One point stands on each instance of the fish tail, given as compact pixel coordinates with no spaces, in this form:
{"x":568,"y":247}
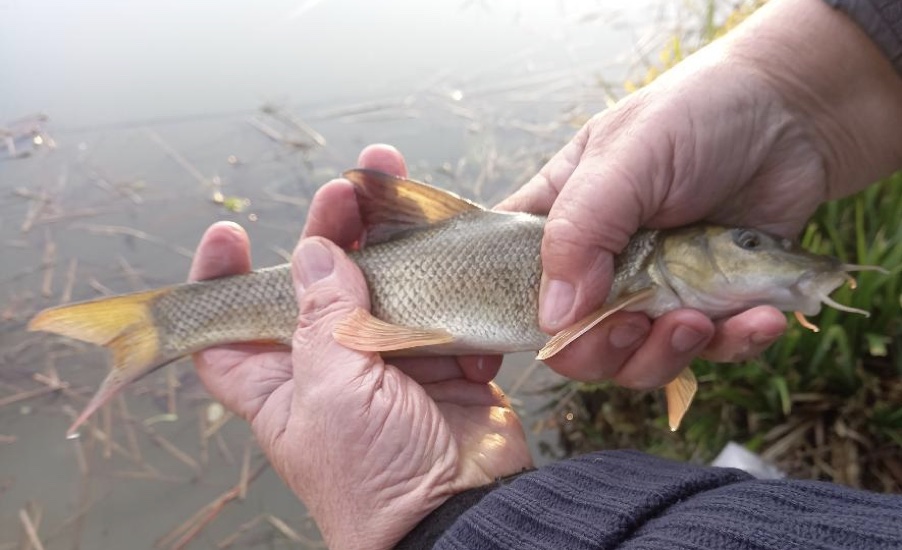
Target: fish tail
{"x":124,"y":325}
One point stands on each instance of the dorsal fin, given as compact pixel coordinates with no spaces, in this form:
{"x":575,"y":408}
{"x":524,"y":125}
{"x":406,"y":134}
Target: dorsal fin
{"x":389,"y":204}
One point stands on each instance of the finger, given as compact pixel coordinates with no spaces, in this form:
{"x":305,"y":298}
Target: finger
{"x":465,"y":393}
{"x":334,"y":214}
{"x":539,"y":193}
{"x":480,"y":368}
{"x":745,"y":335}
{"x":427,"y":370}
{"x":224,"y":250}
{"x":593,"y":218}
{"x":329,"y":287}
{"x":601,"y":353}
{"x":384,"y":158}
{"x":243,"y":376}
{"x":676,"y":338}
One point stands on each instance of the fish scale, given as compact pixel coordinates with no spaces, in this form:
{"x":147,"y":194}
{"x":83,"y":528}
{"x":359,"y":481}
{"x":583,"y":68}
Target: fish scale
{"x":252,"y":307}
{"x":482,"y":289}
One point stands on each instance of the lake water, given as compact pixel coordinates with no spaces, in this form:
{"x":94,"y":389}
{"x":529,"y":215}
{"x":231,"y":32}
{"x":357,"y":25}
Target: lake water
{"x":154,"y":108}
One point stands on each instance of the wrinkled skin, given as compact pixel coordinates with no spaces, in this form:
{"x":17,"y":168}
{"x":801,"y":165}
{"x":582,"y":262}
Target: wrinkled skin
{"x":650,"y":161}
{"x":370,"y":447}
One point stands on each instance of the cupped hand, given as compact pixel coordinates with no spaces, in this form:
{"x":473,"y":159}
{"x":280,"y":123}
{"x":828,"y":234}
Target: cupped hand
{"x":370,"y":447}
{"x":710,"y":140}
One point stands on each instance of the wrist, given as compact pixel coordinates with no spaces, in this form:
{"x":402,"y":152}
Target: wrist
{"x":835,"y":80}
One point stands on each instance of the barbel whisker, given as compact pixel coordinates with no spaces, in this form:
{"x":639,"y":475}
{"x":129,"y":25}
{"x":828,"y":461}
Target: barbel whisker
{"x":836,"y":305}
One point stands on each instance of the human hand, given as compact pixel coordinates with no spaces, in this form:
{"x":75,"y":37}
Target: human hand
{"x":757,"y":129}
{"x":370,"y":447}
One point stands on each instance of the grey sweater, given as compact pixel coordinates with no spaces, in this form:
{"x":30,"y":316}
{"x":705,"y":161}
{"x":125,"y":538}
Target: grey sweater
{"x":627,"y":500}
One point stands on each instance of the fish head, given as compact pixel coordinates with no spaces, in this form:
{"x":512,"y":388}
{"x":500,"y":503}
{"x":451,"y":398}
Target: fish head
{"x":723,"y":270}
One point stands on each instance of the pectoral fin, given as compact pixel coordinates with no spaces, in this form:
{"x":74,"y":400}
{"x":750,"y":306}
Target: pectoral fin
{"x":363,"y":332}
{"x":679,"y":395}
{"x":563,"y":338}
{"x":800,"y":317}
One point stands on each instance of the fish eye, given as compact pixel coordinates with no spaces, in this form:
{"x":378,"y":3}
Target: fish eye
{"x":748,"y":240}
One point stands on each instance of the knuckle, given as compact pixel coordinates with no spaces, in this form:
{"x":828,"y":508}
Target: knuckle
{"x":318,"y":308}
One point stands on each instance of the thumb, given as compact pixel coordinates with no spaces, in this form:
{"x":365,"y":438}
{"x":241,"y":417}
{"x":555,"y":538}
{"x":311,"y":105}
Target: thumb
{"x":329,"y":287}
{"x":599,"y":207}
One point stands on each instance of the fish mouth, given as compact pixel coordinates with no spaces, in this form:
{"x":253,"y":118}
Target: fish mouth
{"x":819,"y":286}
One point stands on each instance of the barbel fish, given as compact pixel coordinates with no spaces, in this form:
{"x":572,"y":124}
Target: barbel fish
{"x":448,"y":276}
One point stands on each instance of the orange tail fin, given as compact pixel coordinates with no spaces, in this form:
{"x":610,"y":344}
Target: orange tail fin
{"x":124,"y":324}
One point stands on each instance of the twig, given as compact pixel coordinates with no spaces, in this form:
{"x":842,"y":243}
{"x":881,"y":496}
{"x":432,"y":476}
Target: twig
{"x":106,"y":418}
{"x":34,"y":210}
{"x":203,"y":441}
{"x":84,"y":506}
{"x":172,"y":383}
{"x":217,"y":423}
{"x":281,"y":253}
{"x":182,"y":535}
{"x":134,"y":278}
{"x":361,"y":109}
{"x":242,"y":529}
{"x":30,"y":530}
{"x":521,"y":380}
{"x":287,"y":199}
{"x":147,"y":474}
{"x":177,"y":157}
{"x":224,"y":448}
{"x":129,"y":429}
{"x":102,"y":181}
{"x":276,"y":135}
{"x":80,"y":458}
{"x":7,"y":439}
{"x":22,"y":396}
{"x":99,"y":435}
{"x":100,"y":287}
{"x":245,"y":470}
{"x":49,"y":263}
{"x":287,"y":531}
{"x":291,"y":119}
{"x":138,"y":234}
{"x":70,"y":215}
{"x":170,"y":448}
{"x":70,"y":281}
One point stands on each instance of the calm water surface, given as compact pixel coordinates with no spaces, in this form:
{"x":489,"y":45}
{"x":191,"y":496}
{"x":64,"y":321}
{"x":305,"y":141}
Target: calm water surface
{"x":155,"y":108}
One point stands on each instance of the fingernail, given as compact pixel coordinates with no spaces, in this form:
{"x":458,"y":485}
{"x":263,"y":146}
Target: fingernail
{"x":685,"y":339}
{"x":760,"y":338}
{"x":556,"y":303}
{"x":626,"y":335}
{"x":232,"y":226}
{"x":314,"y":261}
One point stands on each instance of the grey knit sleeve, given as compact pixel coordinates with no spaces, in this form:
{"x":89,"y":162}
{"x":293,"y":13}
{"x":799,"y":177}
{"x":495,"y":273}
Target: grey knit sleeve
{"x":881,"y":20}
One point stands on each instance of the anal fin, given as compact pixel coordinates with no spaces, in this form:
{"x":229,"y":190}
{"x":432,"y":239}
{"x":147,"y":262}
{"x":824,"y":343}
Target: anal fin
{"x":679,"y":395}
{"x":563,"y":338}
{"x":363,"y":332}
